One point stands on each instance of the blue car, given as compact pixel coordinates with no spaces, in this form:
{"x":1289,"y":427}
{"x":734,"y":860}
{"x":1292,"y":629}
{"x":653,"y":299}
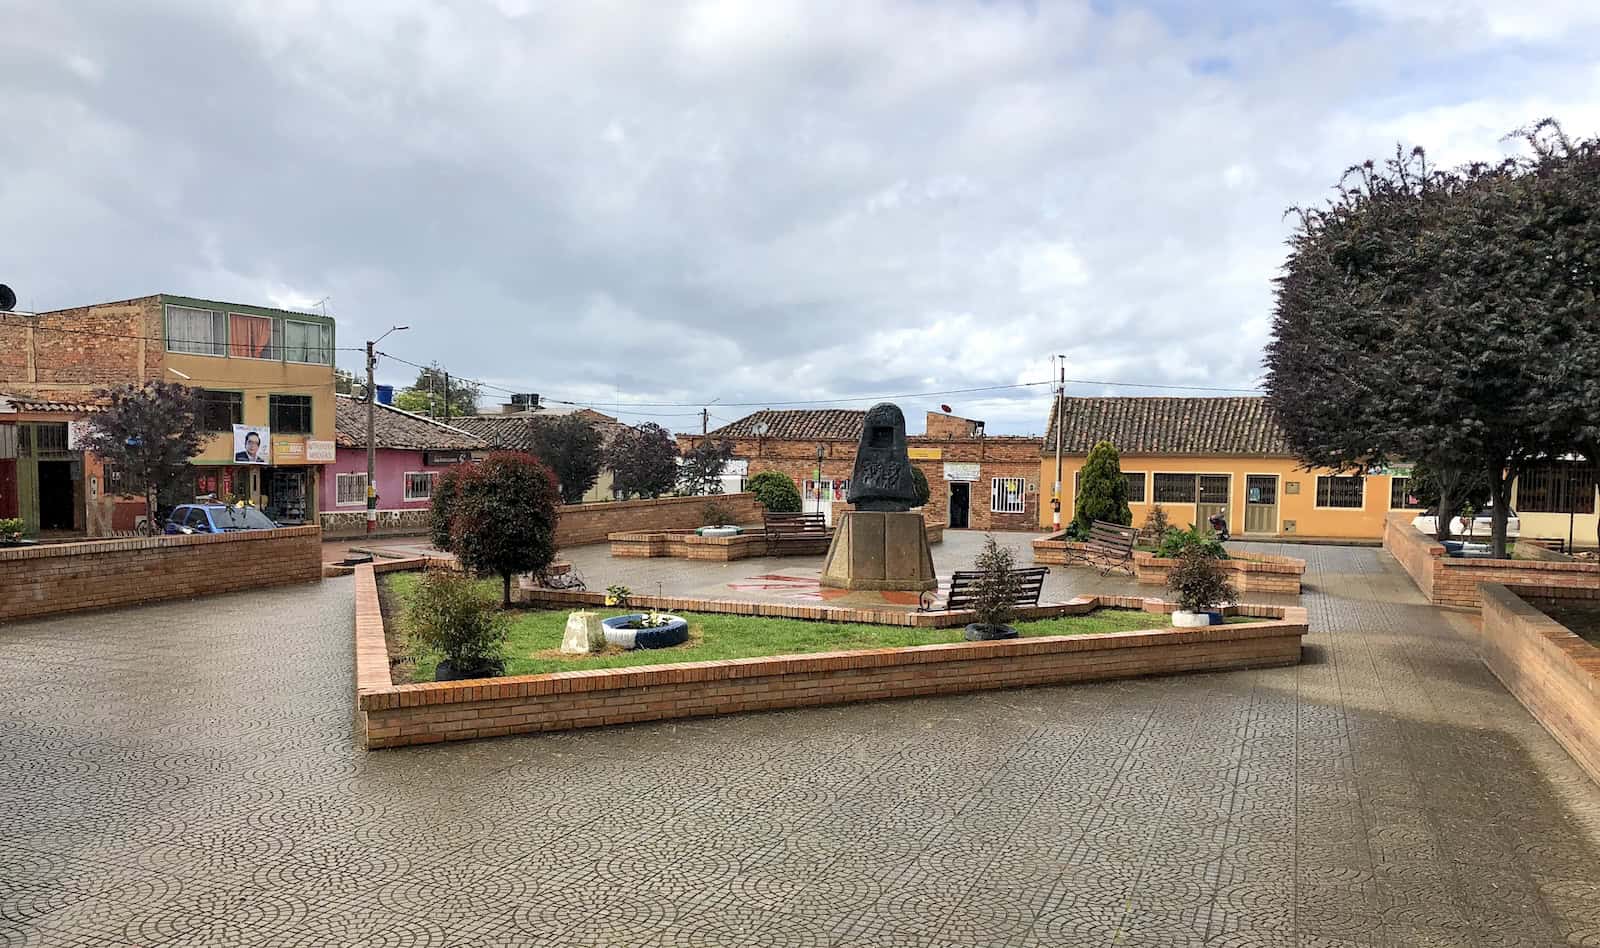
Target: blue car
{"x":216,"y":518}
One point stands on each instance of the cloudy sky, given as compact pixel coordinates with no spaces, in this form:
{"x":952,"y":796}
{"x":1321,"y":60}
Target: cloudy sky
{"x":761,"y":202}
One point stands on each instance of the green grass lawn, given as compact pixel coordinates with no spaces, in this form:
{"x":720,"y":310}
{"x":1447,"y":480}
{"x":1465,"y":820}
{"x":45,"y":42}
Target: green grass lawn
{"x":535,"y":638}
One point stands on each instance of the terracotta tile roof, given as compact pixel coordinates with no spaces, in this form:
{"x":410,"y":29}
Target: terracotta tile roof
{"x":514,"y":432}
{"x":393,"y":428}
{"x":11,"y":402}
{"x":1179,"y":426}
{"x":811,"y":424}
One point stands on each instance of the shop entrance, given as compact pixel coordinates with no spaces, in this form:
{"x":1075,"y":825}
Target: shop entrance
{"x":1261,"y":503}
{"x":286,"y":489}
{"x":55,"y":495}
{"x":960,"y":502}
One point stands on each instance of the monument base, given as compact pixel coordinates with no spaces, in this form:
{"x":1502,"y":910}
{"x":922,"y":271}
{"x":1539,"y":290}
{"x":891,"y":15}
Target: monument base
{"x":879,"y":549}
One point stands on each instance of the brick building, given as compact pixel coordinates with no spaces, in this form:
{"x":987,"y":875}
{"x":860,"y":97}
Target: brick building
{"x":974,"y":480}
{"x":266,"y":370}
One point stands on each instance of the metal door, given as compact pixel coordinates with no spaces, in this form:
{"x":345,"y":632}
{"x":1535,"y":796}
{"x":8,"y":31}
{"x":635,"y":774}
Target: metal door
{"x":1261,"y":504}
{"x":1211,"y":496}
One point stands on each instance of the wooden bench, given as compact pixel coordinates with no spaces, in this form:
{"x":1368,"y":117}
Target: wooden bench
{"x":963,"y":593}
{"x":790,"y":529}
{"x":1110,"y":547}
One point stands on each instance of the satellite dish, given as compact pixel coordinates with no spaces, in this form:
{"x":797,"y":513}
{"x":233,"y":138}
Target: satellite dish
{"x":760,"y":429}
{"x":945,"y":409}
{"x":8,"y":299}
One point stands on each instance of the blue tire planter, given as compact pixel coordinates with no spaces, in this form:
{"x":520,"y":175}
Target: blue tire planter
{"x":675,"y":632}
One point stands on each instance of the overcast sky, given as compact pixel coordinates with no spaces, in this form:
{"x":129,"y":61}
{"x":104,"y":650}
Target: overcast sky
{"x":759,"y":202}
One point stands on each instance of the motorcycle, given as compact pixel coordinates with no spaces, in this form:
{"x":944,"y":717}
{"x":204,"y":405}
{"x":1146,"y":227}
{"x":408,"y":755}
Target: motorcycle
{"x":1219,"y":524}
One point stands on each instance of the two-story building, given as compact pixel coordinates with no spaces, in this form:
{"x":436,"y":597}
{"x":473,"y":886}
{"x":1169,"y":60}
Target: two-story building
{"x":264,"y":377}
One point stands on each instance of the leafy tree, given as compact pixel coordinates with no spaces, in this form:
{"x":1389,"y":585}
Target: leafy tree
{"x":345,"y":383}
{"x":441,"y":506}
{"x":919,"y":483}
{"x":1445,"y":317}
{"x":149,"y":433}
{"x":571,"y":446}
{"x":701,"y":471}
{"x":503,"y":514}
{"x":429,"y":394}
{"x":1102,"y":490}
{"x":1466,"y":488}
{"x":643,"y":461}
{"x":775,"y":491}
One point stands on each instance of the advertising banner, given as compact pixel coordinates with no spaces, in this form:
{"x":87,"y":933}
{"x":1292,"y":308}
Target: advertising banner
{"x":319,"y":451}
{"x":252,"y":444}
{"x":961,"y":470}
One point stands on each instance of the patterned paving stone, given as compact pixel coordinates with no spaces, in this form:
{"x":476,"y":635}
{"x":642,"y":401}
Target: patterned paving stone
{"x":1387,"y":792}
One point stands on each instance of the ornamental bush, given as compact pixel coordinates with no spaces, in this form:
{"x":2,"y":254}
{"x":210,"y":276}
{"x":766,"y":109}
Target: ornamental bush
{"x":1102,"y":490}
{"x":775,"y":491}
{"x":995,"y":595}
{"x":451,"y":616}
{"x":1175,"y":543}
{"x":503,"y":517}
{"x":1197,"y":582}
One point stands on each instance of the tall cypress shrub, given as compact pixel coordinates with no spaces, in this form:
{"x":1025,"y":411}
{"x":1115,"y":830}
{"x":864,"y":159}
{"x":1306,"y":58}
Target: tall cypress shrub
{"x":1102,"y":490}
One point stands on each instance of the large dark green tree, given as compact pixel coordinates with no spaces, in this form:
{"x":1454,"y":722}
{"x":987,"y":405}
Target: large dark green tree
{"x":436,"y":395}
{"x":503,"y":513}
{"x":572,"y":447}
{"x":149,"y":433}
{"x":1102,"y":490}
{"x":702,"y":467}
{"x":643,"y":461}
{"x":1446,"y":317}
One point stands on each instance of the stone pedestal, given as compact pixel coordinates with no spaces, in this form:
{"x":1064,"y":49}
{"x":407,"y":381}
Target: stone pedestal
{"x":584,"y":634}
{"x":877,"y":549}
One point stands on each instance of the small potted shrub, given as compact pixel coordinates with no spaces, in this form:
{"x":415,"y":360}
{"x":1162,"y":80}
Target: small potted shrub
{"x":11,"y":531}
{"x":996,"y":594}
{"x":1199,"y":587}
{"x":646,"y":630}
{"x":452,"y":616}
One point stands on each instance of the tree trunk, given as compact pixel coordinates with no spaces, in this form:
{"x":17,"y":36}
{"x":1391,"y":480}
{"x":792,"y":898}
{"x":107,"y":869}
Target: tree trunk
{"x":505,"y":590}
{"x":1500,"y":478}
{"x":150,"y":510}
{"x":1449,"y":479}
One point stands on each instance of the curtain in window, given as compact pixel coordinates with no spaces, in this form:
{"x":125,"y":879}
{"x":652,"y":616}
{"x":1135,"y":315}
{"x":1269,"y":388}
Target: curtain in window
{"x":305,"y":342}
{"x":199,"y":331}
{"x":251,"y":337}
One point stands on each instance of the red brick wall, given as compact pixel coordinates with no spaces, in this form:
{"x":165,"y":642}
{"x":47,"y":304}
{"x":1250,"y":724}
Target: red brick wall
{"x":1553,"y":672}
{"x":45,"y":580}
{"x":592,"y":523}
{"x":1450,"y":581}
{"x":69,"y":353}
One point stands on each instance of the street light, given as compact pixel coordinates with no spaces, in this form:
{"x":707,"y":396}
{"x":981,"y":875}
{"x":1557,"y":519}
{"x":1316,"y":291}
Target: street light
{"x":372,"y":449}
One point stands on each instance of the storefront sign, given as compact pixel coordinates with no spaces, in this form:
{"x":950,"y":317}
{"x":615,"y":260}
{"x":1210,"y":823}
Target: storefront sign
{"x":288,"y":450}
{"x":252,"y":444}
{"x":925,"y":454}
{"x":961,"y":470}
{"x":437,"y":458}
{"x":738,"y":467}
{"x":1393,"y":470}
{"x":319,"y":451}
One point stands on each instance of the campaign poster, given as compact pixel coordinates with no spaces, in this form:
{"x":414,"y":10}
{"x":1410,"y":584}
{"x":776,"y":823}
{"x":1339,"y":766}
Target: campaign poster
{"x":252,"y":444}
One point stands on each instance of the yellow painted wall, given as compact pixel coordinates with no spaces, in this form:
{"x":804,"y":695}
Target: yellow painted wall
{"x":256,"y":379}
{"x":1309,"y":521}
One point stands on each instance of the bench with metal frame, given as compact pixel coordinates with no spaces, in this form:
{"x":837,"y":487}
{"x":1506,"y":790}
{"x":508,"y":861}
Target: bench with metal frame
{"x":1110,"y":547}
{"x":963,"y":592}
{"x":786,"y":529}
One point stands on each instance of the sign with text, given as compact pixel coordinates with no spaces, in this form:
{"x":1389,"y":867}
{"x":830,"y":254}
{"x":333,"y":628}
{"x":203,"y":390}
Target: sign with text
{"x":252,"y":444}
{"x":320,"y":451}
{"x":925,"y":454}
{"x":961,"y":470}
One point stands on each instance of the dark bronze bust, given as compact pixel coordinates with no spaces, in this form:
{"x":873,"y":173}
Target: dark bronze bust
{"x":882,"y":477}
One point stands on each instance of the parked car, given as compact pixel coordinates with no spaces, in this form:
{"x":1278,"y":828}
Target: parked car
{"x":216,"y":518}
{"x":1482,"y":524}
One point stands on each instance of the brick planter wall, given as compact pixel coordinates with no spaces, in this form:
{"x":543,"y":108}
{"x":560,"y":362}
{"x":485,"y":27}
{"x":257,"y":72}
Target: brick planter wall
{"x":394,"y":715}
{"x":1452,"y":581}
{"x":1249,"y":573}
{"x":45,"y":580}
{"x":1553,"y":672}
{"x":685,"y":545}
{"x":593,"y":523}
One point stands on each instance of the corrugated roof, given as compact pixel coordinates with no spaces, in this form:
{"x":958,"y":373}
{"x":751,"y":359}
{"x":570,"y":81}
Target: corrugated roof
{"x":394,"y":428}
{"x":1187,"y":426}
{"x":811,"y":424}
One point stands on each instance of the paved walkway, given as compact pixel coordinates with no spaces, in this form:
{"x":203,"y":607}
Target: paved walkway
{"x":185,"y":774}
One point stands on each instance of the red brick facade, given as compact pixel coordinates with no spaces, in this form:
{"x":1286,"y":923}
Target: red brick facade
{"x":71,"y":353}
{"x":45,"y":580}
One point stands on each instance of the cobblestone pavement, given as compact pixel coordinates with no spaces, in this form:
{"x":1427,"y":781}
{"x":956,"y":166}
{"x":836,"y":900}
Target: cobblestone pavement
{"x":185,"y":774}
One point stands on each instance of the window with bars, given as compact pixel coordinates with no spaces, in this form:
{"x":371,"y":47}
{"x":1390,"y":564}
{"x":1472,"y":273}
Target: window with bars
{"x":419,"y":484}
{"x":290,"y":414}
{"x":1341,"y":492}
{"x":1135,"y":481}
{"x":1175,"y":488}
{"x":1557,"y":487}
{"x":220,"y":411}
{"x":196,"y":331}
{"x":351,"y":489}
{"x":1006,"y":495}
{"x":1400,"y":495}
{"x":50,"y":438}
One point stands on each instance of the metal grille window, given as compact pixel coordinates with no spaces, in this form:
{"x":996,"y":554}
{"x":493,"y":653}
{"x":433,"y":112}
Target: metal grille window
{"x":197,"y":331}
{"x":220,"y":411}
{"x":1346,"y":493}
{"x":1213,"y":489}
{"x":351,"y":488}
{"x":419,"y":485}
{"x":1554,"y":485}
{"x":1135,"y":486}
{"x":291,"y":414}
{"x":1006,"y":495}
{"x":1175,"y":488}
{"x":52,"y":438}
{"x":1400,"y":495}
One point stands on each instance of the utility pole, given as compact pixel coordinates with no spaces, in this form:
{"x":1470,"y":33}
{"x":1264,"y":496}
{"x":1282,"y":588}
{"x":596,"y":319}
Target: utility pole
{"x":447,"y":398}
{"x":1061,"y":396}
{"x":372,"y":448}
{"x":705,"y":420}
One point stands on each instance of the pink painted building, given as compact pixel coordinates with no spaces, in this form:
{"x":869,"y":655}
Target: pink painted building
{"x":412,"y":452}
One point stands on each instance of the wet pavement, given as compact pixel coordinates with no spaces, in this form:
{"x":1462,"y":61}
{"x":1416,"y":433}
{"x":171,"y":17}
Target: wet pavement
{"x":186,"y":774}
